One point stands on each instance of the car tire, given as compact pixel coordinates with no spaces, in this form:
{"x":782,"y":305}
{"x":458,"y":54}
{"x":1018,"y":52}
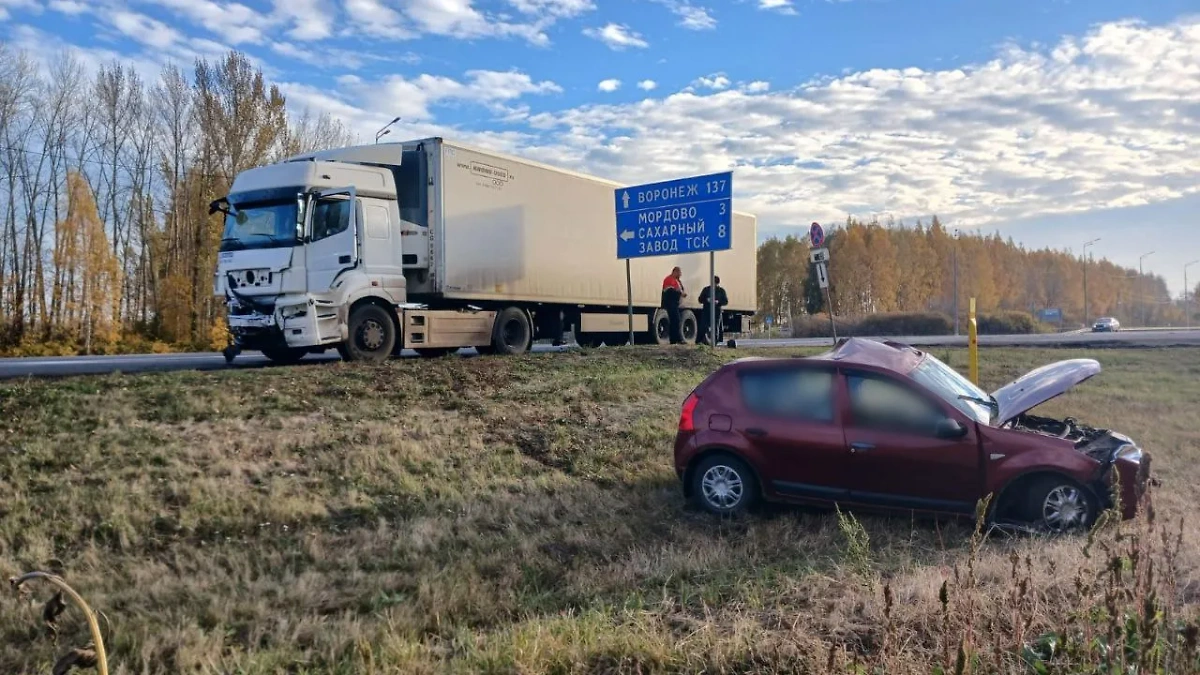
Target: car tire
{"x":282,"y":355}
{"x":1059,"y":505}
{"x":724,"y":485}
{"x":372,"y":335}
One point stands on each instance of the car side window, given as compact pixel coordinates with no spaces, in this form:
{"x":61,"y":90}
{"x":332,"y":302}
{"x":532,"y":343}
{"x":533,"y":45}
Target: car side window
{"x":884,"y":404}
{"x":790,"y":393}
{"x":330,"y":217}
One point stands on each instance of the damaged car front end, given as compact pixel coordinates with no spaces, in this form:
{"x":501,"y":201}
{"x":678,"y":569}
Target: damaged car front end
{"x":1112,"y":470}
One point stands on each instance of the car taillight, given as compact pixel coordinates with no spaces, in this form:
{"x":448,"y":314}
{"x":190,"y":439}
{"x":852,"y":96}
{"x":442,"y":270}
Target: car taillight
{"x":686,"y":421}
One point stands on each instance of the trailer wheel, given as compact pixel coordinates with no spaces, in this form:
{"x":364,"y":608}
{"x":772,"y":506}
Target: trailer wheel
{"x":512,"y":334}
{"x":688,"y":326}
{"x":372,"y":334}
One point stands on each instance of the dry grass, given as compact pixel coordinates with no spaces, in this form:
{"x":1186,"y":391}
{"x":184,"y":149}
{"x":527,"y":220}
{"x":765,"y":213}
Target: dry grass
{"x":521,"y":515}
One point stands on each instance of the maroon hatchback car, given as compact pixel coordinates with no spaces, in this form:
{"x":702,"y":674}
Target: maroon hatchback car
{"x":884,"y":425}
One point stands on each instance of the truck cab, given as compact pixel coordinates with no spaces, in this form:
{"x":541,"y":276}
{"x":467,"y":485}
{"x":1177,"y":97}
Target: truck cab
{"x":309,"y":241}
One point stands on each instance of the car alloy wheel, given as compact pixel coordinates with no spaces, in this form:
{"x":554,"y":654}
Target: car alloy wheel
{"x":1065,"y":508}
{"x":723,"y":487}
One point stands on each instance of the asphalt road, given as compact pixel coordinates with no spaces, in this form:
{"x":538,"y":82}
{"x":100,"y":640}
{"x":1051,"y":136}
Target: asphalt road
{"x":139,"y":363}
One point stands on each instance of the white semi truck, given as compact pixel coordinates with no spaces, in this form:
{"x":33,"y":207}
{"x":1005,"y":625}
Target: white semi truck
{"x":434,"y":246}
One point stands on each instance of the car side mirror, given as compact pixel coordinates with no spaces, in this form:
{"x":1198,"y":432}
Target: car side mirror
{"x":949,"y":428}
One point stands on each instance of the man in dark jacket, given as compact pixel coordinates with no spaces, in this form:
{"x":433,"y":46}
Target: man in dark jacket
{"x":706,"y":301}
{"x":672,"y":295}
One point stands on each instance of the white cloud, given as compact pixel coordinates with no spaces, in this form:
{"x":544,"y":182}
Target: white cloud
{"x":412,"y":98}
{"x":233,"y":21}
{"x":1104,"y":120}
{"x":609,"y":86}
{"x":781,"y":6}
{"x":553,"y":8}
{"x":69,"y":7}
{"x":758,"y":86}
{"x":310,"y":19}
{"x":716,"y":81}
{"x":647,"y":85}
{"x":148,"y":31}
{"x":6,"y":5}
{"x":690,"y":16}
{"x":616,"y":36}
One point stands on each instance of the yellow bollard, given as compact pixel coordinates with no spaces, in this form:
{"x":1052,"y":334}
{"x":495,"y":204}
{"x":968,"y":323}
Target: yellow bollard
{"x":973,"y":343}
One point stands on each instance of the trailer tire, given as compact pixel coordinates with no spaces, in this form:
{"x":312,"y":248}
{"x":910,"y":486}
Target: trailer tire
{"x":284,"y":355}
{"x":372,"y":334}
{"x":512,"y":333}
{"x":688,"y":326}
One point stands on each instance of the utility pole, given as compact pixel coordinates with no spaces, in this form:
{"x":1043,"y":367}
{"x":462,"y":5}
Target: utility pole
{"x":1187,"y":307}
{"x":956,"y":282}
{"x":1141,"y":288}
{"x":1085,"y":271}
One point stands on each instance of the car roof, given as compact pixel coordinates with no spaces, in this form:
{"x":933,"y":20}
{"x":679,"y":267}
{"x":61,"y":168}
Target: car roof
{"x":883,"y":354}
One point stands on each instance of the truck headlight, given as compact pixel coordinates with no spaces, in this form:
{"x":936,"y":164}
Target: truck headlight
{"x":293,"y":311}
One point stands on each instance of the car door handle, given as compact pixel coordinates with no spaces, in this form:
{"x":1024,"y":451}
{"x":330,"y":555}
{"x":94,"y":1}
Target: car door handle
{"x":755,"y":431}
{"x":861,"y":447}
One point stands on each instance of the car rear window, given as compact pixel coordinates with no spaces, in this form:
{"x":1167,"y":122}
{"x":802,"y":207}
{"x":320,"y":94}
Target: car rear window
{"x":793,"y":393}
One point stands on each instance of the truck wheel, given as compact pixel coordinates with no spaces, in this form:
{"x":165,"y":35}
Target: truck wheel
{"x":512,"y":334}
{"x":284,"y":355}
{"x":688,"y":326}
{"x":372,"y":334}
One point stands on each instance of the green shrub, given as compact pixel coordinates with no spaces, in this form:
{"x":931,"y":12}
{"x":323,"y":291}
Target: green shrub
{"x":1008,"y":323}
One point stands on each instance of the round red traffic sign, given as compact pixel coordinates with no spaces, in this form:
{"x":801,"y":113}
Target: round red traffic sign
{"x":816,"y":234}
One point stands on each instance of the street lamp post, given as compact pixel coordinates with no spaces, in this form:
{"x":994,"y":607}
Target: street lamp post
{"x":1187,"y":307}
{"x":385,"y":130}
{"x":1085,"y":271}
{"x":1142,"y":287}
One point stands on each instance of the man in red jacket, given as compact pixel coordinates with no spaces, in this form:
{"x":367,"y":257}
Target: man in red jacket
{"x":672,"y":294}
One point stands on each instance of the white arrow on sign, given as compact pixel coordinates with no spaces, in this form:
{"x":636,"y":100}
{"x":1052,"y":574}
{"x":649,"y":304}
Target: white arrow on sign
{"x":625,"y":200}
{"x":627,"y":235}
{"x":822,"y":275}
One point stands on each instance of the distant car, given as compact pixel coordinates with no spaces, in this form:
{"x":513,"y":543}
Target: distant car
{"x":1106,"y":325}
{"x":883,"y":425}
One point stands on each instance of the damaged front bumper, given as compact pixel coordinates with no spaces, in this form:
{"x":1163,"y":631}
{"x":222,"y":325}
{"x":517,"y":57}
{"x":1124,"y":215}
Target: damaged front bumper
{"x":288,"y":322}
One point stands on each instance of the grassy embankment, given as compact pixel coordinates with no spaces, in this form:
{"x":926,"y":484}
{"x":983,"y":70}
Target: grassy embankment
{"x":521,"y":515}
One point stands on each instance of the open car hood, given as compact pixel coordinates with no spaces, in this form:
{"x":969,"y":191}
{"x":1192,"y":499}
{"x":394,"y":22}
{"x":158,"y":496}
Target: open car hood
{"x":1040,"y":385}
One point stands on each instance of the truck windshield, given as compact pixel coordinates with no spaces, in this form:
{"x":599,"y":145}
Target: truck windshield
{"x":260,"y":225}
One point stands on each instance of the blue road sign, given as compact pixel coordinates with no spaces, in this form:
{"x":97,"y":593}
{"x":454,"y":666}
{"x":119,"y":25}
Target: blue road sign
{"x":769,"y":319}
{"x":689,"y":215}
{"x":1050,"y":314}
{"x":816,"y":234}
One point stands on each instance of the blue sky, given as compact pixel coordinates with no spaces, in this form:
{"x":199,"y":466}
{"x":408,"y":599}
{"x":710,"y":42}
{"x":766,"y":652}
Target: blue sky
{"x":1053,"y":121}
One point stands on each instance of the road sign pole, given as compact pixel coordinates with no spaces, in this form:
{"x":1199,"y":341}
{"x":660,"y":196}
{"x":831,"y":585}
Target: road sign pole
{"x":712,"y":299}
{"x":629,"y":295}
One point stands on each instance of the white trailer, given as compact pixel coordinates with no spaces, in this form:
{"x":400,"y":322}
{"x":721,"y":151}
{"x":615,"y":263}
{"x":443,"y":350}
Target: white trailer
{"x":434,"y":246}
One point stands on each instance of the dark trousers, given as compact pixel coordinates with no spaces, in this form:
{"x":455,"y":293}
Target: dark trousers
{"x":675,"y":323}
{"x":719,"y":334}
